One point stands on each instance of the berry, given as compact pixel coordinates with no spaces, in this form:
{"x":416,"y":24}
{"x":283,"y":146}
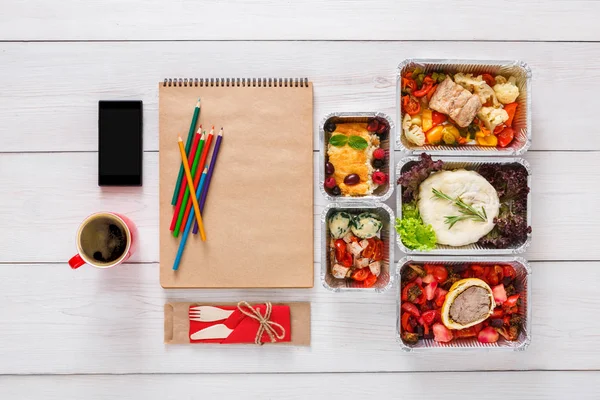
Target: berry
{"x":329,"y":127}
{"x":352,"y":179}
{"x":379,"y":178}
{"x":329,"y":169}
{"x":330,"y":182}
{"x":373,"y":125}
{"x":383,"y":127}
{"x":379,"y":154}
{"x":336,"y":191}
{"x":378,"y":163}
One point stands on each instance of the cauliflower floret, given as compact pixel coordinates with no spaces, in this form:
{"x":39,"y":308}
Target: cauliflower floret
{"x":507,"y":92}
{"x":415,"y":135}
{"x":500,"y":79}
{"x":467,"y":81}
{"x":485,"y":93}
{"x":477,"y":86}
{"x":406,"y":122}
{"x":492,"y":117}
{"x":416,"y":120}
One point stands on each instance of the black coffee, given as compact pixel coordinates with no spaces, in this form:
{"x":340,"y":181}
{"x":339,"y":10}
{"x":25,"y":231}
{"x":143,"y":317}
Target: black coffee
{"x":103,"y":240}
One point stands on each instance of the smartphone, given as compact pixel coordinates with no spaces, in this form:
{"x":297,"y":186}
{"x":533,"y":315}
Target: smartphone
{"x":119,"y":143}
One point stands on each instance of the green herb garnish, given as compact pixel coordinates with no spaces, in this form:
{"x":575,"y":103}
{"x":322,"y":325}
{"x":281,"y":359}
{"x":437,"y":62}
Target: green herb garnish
{"x":354,"y":141}
{"x":467,"y":211}
{"x":357,"y":142}
{"x":338,"y":140}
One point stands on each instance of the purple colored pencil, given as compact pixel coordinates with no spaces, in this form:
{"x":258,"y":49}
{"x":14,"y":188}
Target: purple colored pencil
{"x":211,"y":168}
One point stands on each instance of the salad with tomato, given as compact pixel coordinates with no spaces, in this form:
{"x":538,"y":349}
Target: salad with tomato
{"x":458,"y":109}
{"x":426,"y":290}
{"x":356,"y":248}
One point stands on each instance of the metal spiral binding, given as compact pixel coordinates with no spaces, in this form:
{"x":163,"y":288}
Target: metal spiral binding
{"x":235,"y":82}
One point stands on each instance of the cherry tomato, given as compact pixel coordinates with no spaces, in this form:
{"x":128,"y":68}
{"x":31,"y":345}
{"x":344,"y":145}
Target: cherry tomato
{"x":370,"y":281}
{"x":361,"y":274}
{"x":495,"y":275}
{"x":411,"y":309}
{"x":440,"y":297}
{"x":509,"y":272}
{"x":413,"y":293}
{"x":340,"y":249}
{"x":505,"y":137}
{"x":478,"y":271}
{"x":409,"y":83}
{"x":511,"y":301}
{"x":429,"y":317}
{"x":405,"y":322}
{"x":411,"y":105}
{"x":369,"y":251}
{"x":378,"y":254}
{"x":497,"y":313}
{"x":440,"y":274}
{"x":489,"y":79}
{"x":348,"y":260}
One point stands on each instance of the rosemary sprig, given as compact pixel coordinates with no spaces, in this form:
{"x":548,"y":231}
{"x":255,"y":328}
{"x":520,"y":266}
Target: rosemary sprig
{"x":467,"y":211}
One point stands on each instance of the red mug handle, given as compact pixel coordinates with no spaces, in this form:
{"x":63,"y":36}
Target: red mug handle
{"x":76,"y":261}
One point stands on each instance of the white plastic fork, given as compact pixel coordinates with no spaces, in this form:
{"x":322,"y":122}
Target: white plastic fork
{"x":209,"y":313}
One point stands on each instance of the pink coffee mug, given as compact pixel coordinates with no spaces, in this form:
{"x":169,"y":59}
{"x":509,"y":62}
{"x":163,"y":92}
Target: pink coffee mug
{"x":105,"y":239}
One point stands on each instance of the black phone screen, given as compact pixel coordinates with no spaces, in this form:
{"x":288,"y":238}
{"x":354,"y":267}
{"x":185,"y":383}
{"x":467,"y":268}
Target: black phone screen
{"x":120,"y":143}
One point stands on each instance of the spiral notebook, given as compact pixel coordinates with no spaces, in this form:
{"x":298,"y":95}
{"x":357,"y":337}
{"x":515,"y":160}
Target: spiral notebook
{"x":259,"y":212}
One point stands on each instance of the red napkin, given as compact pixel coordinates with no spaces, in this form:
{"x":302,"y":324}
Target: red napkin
{"x":244,"y":327}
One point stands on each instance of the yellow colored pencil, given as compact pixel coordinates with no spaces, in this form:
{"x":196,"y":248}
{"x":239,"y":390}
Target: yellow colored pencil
{"x":190,"y":181}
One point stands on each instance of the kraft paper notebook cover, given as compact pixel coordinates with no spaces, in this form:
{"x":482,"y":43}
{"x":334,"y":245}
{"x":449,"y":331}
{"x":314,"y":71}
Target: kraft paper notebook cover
{"x":259,"y":213}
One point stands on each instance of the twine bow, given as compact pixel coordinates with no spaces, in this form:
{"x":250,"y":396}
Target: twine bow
{"x":273,"y":329}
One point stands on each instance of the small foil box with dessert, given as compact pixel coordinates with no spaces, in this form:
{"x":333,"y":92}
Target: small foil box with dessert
{"x":450,"y":106}
{"x":469,"y":302}
{"x":356,"y":157}
{"x":358,"y":247}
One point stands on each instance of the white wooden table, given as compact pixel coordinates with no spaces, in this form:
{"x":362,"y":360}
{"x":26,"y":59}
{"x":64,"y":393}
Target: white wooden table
{"x":98,"y":333}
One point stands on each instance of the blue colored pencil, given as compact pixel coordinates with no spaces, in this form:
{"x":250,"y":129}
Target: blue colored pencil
{"x":188,"y":224}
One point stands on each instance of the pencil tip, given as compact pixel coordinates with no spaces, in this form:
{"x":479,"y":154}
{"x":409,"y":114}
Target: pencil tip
{"x":205,"y":170}
{"x":213,"y":127}
{"x":179,"y":138}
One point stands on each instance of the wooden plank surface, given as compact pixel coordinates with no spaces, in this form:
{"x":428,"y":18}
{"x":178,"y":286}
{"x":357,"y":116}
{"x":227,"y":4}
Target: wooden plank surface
{"x":54,"y":192}
{"x":55,"y":320}
{"x":55,"y":87}
{"x":449,"y":386}
{"x":300,"y":20}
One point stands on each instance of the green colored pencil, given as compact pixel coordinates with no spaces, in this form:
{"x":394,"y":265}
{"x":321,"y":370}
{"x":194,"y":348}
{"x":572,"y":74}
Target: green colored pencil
{"x":188,"y":145}
{"x":187,"y":190}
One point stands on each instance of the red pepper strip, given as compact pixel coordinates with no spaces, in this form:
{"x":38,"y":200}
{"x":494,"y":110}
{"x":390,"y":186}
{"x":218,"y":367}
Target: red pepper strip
{"x":405,"y":324}
{"x":427,"y":86}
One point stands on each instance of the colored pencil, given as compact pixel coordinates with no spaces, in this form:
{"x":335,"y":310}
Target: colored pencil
{"x":188,"y":143}
{"x":190,"y":182}
{"x":211,"y":169}
{"x":188,"y":225}
{"x":188,"y":207}
{"x":192,"y":160}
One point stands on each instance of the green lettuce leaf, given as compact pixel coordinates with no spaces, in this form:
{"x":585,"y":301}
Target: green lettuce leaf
{"x":415,"y":235}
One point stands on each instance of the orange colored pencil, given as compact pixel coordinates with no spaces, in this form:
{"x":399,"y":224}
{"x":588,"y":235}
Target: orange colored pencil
{"x":190,"y":182}
{"x":200,"y":168}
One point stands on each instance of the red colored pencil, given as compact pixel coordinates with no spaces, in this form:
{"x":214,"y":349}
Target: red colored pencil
{"x":184,"y":187}
{"x":188,"y":207}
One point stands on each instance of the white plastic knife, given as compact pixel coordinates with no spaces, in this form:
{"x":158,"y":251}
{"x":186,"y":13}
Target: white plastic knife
{"x":219,"y":331}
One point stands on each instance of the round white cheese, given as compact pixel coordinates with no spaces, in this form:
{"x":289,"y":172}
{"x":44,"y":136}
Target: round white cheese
{"x":474,"y":190}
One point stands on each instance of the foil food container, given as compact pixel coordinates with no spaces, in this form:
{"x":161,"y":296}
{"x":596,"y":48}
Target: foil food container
{"x":386,"y":277}
{"x":521,"y":284}
{"x":521,"y":122}
{"x":468,"y":163}
{"x":383,"y":192}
